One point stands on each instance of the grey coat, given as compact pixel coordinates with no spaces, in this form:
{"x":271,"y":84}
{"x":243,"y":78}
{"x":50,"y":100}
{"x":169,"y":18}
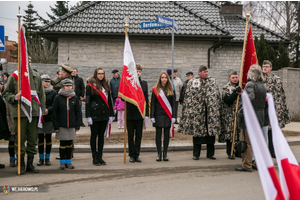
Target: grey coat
{"x":257,"y":95}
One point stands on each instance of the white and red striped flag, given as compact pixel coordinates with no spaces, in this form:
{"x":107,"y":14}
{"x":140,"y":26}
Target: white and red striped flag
{"x":264,"y":162}
{"x":289,"y":171}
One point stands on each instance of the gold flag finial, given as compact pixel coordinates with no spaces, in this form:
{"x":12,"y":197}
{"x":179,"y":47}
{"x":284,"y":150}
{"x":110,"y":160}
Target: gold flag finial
{"x":126,"y":20}
{"x":248,"y":11}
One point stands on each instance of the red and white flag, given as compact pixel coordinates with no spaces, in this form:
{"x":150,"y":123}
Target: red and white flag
{"x":289,"y":171}
{"x":264,"y":162}
{"x":26,"y":104}
{"x":130,"y":89}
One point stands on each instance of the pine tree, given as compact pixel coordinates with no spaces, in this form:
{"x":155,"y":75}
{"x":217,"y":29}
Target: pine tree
{"x":282,"y":56}
{"x":264,"y":51}
{"x":79,"y":4}
{"x":30,"y":20}
{"x":60,"y":8}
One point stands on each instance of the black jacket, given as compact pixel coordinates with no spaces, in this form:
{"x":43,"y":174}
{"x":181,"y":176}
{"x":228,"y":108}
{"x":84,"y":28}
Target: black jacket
{"x":132,"y":111}
{"x":182,"y":92}
{"x":79,"y":86}
{"x":161,"y":118}
{"x":95,"y":106}
{"x":49,"y":103}
{"x":59,"y":112}
{"x":4,"y":130}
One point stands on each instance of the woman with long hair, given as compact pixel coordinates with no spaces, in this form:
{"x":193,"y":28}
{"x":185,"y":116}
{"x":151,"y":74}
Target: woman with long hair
{"x":163,"y":112}
{"x":99,"y":112}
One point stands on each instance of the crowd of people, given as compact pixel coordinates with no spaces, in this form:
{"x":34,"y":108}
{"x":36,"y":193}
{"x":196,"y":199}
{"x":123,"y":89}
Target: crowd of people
{"x":206,"y":113}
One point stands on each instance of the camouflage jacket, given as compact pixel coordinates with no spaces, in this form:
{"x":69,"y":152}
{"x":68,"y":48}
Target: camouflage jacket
{"x":201,"y":102}
{"x":274,"y":86}
{"x":228,"y":113}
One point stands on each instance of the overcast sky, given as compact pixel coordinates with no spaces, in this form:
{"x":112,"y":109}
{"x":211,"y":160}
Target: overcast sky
{"x":9,"y":11}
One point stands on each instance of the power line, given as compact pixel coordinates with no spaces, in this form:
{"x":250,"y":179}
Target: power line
{"x":9,"y":18}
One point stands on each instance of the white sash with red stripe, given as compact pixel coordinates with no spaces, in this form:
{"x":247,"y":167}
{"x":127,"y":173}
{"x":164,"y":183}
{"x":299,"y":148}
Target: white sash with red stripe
{"x":165,"y":104}
{"x":104,"y":96}
{"x":36,"y":98}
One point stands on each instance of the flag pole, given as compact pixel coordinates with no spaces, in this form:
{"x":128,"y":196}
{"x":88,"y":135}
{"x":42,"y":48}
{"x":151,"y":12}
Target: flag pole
{"x":240,"y":82}
{"x":125,"y":110}
{"x":19,"y":105}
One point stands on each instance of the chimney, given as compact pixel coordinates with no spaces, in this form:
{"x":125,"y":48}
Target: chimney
{"x":232,"y":9}
{"x":6,"y":38}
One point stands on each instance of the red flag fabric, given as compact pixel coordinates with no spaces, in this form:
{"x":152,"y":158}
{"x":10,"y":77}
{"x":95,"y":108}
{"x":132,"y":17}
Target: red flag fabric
{"x":25,"y":89}
{"x":130,"y":89}
{"x":250,"y":56}
{"x":264,"y":162}
{"x":289,"y":170}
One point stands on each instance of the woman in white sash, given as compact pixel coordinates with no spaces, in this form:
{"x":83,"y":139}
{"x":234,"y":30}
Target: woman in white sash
{"x":99,"y":112}
{"x":163,"y":112}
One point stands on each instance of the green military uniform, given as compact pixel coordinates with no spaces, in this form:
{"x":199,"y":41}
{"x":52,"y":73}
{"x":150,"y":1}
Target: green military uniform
{"x":57,"y":83}
{"x":29,"y":131}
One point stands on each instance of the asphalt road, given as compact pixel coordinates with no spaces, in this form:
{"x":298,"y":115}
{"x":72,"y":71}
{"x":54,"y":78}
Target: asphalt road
{"x":180,"y":178}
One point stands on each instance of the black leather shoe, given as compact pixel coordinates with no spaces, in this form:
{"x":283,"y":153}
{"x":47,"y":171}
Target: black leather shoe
{"x":40,"y":163}
{"x":82,"y":125}
{"x":165,"y":157}
{"x":102,"y":162}
{"x":212,"y":158}
{"x":231,"y":157}
{"x":242,"y":169}
{"x":158,"y":158}
{"x":195,"y":158}
{"x":47,"y":162}
{"x":138,"y":159}
{"x":2,"y":166}
{"x":22,"y":166}
{"x":132,"y":160}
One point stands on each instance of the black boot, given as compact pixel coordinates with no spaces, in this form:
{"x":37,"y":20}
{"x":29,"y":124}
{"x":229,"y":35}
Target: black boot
{"x":95,"y":159}
{"x":158,"y":158}
{"x":165,"y":157}
{"x":22,"y":166}
{"x":30,"y":167}
{"x":102,"y":162}
{"x":40,"y":163}
{"x":47,"y":162}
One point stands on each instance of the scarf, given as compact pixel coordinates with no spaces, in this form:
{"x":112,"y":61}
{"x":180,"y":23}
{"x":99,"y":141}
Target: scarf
{"x":66,"y":93}
{"x":48,"y":89}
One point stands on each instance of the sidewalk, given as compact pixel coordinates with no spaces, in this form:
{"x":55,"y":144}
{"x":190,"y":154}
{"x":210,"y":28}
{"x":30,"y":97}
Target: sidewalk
{"x":291,"y":131}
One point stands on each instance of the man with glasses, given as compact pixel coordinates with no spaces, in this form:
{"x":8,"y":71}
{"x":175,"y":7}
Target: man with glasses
{"x":274,"y":85}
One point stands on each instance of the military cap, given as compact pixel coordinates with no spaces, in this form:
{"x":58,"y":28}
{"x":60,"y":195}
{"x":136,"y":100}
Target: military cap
{"x":67,"y":82}
{"x":267,"y":62}
{"x":202,"y":68}
{"x":45,"y":77}
{"x":66,"y":68}
{"x":191,"y":73}
{"x":232,"y":72}
{"x":114,"y":71}
{"x":169,"y":71}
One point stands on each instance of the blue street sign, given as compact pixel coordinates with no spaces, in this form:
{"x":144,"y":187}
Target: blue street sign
{"x":2,"y":39}
{"x":151,"y":24}
{"x":167,"y":22}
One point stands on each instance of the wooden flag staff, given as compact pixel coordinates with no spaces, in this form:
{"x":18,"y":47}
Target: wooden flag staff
{"x":125,"y":109}
{"x":19,"y":101}
{"x":240,"y":83}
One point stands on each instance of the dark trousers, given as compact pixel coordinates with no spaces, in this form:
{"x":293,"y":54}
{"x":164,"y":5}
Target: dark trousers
{"x":228,"y":147}
{"x":210,"y":150}
{"x":98,"y":129}
{"x":11,"y":148}
{"x":65,"y":149}
{"x":116,"y":114}
{"x":166,"y":139}
{"x":270,"y":139}
{"x":80,"y":106}
{"x":176,"y":104}
{"x":134,"y":128}
{"x":48,"y":143}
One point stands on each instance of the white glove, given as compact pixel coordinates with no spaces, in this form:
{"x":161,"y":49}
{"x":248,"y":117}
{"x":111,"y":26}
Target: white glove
{"x":152,"y":120}
{"x":110,"y":120}
{"x":146,"y":119}
{"x":173,"y":120}
{"x":89,"y":121}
